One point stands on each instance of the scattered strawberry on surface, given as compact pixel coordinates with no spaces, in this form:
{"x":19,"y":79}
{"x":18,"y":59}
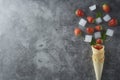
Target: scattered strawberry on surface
{"x":77,"y":31}
{"x":90,"y":30}
{"x":98,"y":27}
{"x":99,"y":41}
{"x":98,"y":46}
{"x":113,"y":22}
{"x":106,"y":8}
{"x":79,"y":13}
{"x":90,"y":19}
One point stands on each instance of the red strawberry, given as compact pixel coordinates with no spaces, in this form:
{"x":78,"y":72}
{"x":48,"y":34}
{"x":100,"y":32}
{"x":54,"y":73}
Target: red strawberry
{"x":77,"y":31}
{"x":113,"y":22}
{"x":98,"y":27}
{"x":99,"y":41}
{"x":98,"y":46}
{"x":90,"y":19}
{"x":79,"y":13}
{"x":106,"y":8}
{"x":90,"y":30}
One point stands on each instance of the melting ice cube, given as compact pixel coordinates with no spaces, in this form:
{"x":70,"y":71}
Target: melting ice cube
{"x":97,"y":35}
{"x":106,"y":18}
{"x":88,"y":38}
{"x":92,"y":8}
{"x":109,"y":32}
{"x":82,"y":22}
{"x":98,"y":20}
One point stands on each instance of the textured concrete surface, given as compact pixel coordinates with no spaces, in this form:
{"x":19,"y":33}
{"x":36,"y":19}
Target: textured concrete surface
{"x":37,"y":41}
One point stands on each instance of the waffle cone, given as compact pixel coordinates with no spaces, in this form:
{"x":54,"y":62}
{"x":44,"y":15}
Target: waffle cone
{"x":98,"y":61}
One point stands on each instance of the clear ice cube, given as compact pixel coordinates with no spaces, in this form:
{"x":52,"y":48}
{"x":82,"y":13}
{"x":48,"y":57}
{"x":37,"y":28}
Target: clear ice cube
{"x":82,"y":22}
{"x":97,"y":35}
{"x":106,"y":18}
{"x":92,"y":8}
{"x":98,"y":20}
{"x":88,"y":38}
{"x":109,"y":32}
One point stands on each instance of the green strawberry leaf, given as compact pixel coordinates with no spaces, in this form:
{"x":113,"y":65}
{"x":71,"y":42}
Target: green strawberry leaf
{"x":103,"y":35}
{"x":98,"y":14}
{"x":104,"y":3}
{"x":93,"y":42}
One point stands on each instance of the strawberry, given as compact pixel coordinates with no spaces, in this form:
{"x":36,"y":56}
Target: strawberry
{"x":98,"y":27}
{"x":106,"y":8}
{"x":90,"y":30}
{"x":90,"y":19}
{"x":77,"y":31}
{"x":79,"y":13}
{"x":98,"y":46}
{"x":99,"y":41}
{"x":113,"y":22}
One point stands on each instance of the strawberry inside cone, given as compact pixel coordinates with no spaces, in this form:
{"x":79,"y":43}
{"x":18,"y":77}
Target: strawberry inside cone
{"x":98,"y":46}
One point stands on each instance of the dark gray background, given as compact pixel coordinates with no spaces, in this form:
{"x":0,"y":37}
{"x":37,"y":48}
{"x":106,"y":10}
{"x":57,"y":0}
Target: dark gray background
{"x":37,"y":41}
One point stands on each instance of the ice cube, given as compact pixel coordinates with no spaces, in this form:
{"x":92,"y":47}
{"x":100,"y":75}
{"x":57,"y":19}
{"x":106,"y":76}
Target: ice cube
{"x":88,"y":38}
{"x":97,"y":35}
{"x":92,"y":8}
{"x":109,"y":32}
{"x":82,"y":22}
{"x":98,"y":20}
{"x":106,"y":18}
